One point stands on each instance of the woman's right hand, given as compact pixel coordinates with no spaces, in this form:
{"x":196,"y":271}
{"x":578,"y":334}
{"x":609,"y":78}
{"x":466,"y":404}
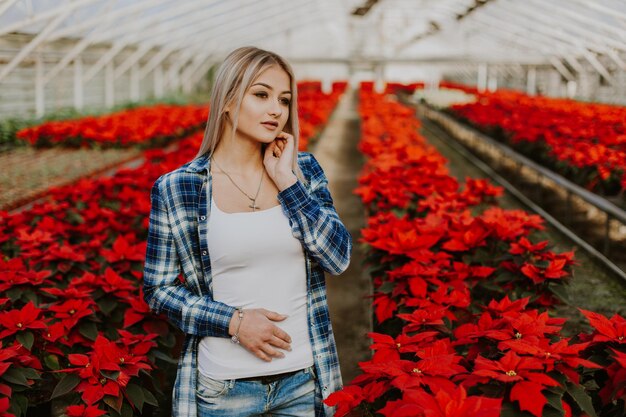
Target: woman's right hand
{"x":259,"y":334}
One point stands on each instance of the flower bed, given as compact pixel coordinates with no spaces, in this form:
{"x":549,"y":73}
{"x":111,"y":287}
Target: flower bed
{"x":462,"y":295}
{"x":585,"y":142}
{"x":77,"y":337}
{"x":143,"y":126}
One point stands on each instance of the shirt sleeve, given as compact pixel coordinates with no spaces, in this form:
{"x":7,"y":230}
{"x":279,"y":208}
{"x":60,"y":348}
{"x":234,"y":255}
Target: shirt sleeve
{"x":165,"y":293}
{"x":315,"y":222}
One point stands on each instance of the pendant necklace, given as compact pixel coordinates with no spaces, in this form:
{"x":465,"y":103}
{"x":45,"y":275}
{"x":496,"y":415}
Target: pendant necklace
{"x":253,"y":206}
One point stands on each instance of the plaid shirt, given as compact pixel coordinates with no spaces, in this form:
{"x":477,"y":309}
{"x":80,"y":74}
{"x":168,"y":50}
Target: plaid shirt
{"x":177,"y":243}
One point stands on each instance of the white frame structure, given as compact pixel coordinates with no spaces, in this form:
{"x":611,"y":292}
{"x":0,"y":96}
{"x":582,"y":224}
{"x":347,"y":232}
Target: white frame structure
{"x":153,"y":47}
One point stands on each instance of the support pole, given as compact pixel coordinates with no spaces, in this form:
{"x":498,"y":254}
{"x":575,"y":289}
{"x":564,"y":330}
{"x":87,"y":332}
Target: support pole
{"x":531,"y":81}
{"x":109,"y":85}
{"x":482,"y":77}
{"x":40,"y":106}
{"x":78,"y":84}
{"x":134,"y":82}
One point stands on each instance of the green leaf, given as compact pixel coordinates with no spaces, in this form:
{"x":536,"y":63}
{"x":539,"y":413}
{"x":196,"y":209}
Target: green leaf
{"x":21,"y":404}
{"x":65,"y":385}
{"x":509,"y":410}
{"x":30,"y":295}
{"x":127,"y":410}
{"x":14,"y":294}
{"x":114,"y":402}
{"x":166,"y":358}
{"x":52,"y":362}
{"x":135,"y":395}
{"x":110,"y":374}
{"x":15,"y":376}
{"x":89,"y":330}
{"x":149,"y":398}
{"x":386,"y":287}
{"x":107,"y":305}
{"x":554,"y":400}
{"x":582,"y":398}
{"x":26,"y":338}
{"x":30,"y":373}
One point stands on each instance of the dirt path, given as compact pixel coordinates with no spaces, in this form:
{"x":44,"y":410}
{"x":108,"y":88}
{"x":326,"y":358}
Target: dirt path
{"x":351,"y":313}
{"x":27,"y":173}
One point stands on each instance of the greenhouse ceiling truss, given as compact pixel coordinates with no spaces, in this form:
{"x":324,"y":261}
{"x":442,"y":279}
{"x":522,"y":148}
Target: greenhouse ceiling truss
{"x":570,"y":36}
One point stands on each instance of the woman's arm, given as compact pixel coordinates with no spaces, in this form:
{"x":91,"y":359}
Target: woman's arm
{"x":163,"y":291}
{"x":315,"y":222}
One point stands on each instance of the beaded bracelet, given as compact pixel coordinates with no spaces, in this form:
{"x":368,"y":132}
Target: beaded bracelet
{"x":235,"y":337}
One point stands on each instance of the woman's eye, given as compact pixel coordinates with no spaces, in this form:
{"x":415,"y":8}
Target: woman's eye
{"x":285,"y":101}
{"x":261,"y":94}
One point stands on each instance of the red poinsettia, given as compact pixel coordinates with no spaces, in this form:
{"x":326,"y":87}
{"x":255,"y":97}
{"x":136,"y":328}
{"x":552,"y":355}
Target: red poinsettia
{"x":453,"y":404}
{"x":84,"y":411}
{"x":20,"y":320}
{"x":525,"y":375}
{"x":613,"y":330}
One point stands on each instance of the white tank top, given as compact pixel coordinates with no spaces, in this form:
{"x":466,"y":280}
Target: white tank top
{"x":256,"y":263}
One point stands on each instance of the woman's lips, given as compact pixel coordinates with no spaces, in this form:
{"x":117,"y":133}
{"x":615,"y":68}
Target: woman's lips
{"x":270,"y":126}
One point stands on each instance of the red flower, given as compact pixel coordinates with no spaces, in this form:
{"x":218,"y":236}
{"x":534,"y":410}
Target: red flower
{"x":526,"y":376}
{"x":84,"y":411}
{"x":554,"y":270}
{"x":70,"y":311}
{"x":606,"y":330}
{"x":15,"y":321}
{"x":453,"y":404}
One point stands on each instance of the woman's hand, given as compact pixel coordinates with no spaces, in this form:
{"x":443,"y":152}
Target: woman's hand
{"x":260,"y":335}
{"x":278,"y":159}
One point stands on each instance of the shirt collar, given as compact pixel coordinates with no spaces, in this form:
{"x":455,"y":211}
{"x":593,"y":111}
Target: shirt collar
{"x":199,"y":164}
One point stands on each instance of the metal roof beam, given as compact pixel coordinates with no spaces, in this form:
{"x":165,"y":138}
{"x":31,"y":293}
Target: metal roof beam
{"x":65,"y":9}
{"x":160,"y":35}
{"x":585,"y":19}
{"x":281,"y":18}
{"x":88,"y":24}
{"x":602,"y":42}
{"x":614,"y":13}
{"x":40,"y":38}
{"x":6,"y":6}
{"x":98,"y":34}
{"x":558,"y":37}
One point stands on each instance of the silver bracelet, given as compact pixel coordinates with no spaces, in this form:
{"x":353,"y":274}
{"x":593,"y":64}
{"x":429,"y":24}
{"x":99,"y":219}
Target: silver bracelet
{"x":235,"y":337}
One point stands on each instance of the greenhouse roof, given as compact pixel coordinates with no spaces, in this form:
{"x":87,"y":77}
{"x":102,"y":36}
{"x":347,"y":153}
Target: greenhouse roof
{"x":508,"y":30}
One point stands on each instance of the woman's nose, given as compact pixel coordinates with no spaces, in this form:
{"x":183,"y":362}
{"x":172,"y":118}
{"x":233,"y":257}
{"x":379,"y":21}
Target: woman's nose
{"x":276,"y":110}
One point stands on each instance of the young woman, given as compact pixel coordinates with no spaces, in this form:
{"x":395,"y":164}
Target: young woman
{"x":250,"y":225}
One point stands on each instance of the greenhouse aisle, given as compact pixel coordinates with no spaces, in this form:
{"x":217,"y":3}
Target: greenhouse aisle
{"x":350,"y":311}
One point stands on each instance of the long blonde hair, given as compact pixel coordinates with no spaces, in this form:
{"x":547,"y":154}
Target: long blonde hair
{"x":234,"y":76}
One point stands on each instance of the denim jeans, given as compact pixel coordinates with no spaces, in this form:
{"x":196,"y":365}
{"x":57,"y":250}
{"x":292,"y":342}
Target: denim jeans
{"x":293,"y":396}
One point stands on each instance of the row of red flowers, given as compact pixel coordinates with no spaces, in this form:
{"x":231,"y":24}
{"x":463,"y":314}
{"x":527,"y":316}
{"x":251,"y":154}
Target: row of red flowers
{"x":141,"y":126}
{"x":73,"y":323}
{"x":585,"y":142}
{"x":462,"y":294}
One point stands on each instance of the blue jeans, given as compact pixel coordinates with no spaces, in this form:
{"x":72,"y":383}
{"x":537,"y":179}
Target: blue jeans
{"x":292,"y":396}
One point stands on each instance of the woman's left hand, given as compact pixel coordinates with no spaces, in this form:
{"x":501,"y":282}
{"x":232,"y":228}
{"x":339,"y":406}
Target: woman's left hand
{"x":278,"y":159}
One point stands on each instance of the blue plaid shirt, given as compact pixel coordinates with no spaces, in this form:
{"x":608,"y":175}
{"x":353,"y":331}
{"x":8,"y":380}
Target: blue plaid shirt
{"x":177,"y":242}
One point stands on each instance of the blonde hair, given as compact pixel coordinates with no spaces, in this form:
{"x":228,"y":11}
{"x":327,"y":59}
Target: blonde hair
{"x":234,"y":76}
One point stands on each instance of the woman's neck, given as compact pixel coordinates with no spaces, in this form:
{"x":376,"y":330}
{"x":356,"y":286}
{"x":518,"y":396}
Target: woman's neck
{"x":239,"y":156}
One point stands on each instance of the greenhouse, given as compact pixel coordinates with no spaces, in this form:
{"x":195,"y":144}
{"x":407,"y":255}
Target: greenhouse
{"x":313,"y":208}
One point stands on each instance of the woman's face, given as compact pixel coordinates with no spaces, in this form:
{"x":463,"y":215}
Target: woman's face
{"x":265,"y":107}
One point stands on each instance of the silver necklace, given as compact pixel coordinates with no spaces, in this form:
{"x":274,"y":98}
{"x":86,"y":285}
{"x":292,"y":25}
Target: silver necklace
{"x":253,"y":206}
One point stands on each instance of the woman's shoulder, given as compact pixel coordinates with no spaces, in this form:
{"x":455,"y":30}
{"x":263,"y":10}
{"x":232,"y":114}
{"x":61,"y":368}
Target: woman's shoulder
{"x":185,"y":177}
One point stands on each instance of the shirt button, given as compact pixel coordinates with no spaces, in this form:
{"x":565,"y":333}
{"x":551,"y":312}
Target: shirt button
{"x":203,"y":218}
{"x":325,"y":388}
{"x":204,"y":252}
